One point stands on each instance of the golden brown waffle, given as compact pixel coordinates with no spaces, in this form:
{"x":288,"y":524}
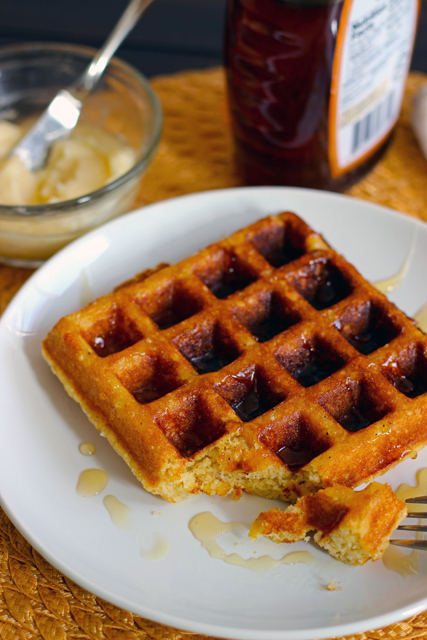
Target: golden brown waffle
{"x":354,"y":526}
{"x":264,"y":363}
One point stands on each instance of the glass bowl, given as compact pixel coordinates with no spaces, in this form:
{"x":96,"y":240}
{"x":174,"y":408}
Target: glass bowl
{"x":123,"y":105}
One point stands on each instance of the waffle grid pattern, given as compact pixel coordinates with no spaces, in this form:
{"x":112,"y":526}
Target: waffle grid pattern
{"x":269,"y":339}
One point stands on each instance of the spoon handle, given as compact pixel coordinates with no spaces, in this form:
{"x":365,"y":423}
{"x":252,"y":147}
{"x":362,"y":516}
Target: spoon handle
{"x":130,"y":17}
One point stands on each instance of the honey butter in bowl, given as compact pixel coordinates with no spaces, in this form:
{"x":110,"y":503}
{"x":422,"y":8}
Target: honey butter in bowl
{"x":89,"y":178}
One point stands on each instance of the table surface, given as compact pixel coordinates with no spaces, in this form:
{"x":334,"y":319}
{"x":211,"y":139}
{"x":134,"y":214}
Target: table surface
{"x":173,"y":34}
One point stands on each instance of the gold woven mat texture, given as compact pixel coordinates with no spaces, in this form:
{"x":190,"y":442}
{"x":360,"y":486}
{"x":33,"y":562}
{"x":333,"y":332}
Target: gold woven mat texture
{"x":36,"y":601}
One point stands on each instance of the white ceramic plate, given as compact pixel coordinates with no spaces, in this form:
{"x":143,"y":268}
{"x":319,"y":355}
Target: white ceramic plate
{"x":41,"y":429}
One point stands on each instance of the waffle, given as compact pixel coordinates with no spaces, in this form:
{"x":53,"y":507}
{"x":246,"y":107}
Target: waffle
{"x":264,"y":363}
{"x":354,"y":526}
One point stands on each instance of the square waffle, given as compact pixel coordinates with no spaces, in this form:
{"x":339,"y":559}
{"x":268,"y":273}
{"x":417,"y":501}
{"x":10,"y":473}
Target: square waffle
{"x":263,"y":363}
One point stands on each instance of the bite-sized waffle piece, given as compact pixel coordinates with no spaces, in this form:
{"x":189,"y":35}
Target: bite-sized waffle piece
{"x":354,"y":526}
{"x":264,"y":363}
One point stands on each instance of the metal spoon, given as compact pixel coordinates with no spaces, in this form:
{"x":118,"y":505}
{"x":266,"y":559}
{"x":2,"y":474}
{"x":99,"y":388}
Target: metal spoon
{"x":62,"y":114}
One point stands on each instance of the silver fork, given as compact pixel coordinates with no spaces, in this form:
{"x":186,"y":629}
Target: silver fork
{"x":413,"y":544}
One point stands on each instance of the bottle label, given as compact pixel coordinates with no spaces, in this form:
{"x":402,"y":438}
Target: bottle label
{"x":373,"y":51}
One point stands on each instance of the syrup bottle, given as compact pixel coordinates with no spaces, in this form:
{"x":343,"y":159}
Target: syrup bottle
{"x":315,"y":87}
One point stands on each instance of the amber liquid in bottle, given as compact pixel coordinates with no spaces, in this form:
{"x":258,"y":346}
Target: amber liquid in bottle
{"x":278,"y":59}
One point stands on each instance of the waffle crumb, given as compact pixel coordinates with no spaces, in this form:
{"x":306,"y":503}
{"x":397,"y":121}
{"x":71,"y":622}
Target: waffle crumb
{"x":353,"y":526}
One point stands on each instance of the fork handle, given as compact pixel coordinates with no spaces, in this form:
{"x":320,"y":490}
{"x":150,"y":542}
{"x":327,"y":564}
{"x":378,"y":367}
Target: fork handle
{"x":91,"y":76}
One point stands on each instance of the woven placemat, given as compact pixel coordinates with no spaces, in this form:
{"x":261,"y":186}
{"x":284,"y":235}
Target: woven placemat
{"x":196,"y":154}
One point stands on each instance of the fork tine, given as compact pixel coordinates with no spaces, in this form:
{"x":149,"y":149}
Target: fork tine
{"x":411,"y":544}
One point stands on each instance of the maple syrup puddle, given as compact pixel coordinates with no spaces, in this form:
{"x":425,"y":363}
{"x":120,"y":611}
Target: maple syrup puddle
{"x":283,"y":254}
{"x":374,"y":336}
{"x":206,"y":528}
{"x":389,"y":284}
{"x":87,"y":449}
{"x":234,"y":278}
{"x":159,"y":550}
{"x":331,"y":288}
{"x":211,"y":361}
{"x":393,"y":558}
{"x":119,"y":512}
{"x":91,"y":482}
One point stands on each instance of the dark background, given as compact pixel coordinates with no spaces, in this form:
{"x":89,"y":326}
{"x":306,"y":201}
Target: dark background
{"x":172,"y":34}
